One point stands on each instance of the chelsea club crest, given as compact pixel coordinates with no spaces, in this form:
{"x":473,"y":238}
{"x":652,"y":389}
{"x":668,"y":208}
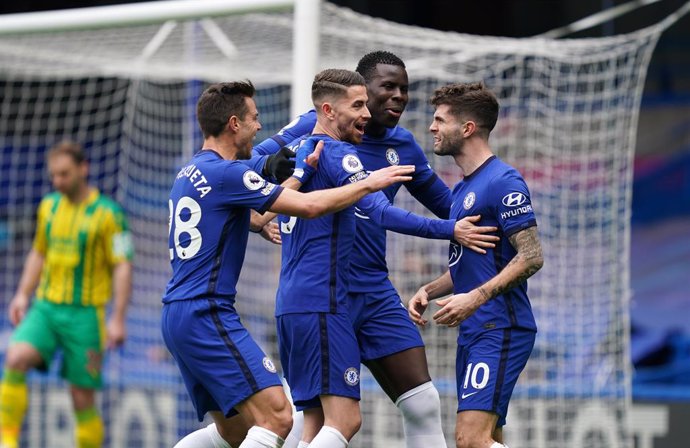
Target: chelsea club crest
{"x":352,"y":376}
{"x":392,"y":156}
{"x":469,"y":200}
{"x":268,"y":364}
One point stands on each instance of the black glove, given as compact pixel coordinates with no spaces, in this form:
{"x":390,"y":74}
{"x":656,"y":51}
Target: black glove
{"x":280,"y":165}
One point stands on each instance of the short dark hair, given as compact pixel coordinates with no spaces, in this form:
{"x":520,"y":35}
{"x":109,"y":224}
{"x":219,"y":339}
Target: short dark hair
{"x":69,"y":148}
{"x":334,"y":82}
{"x":471,"y":101}
{"x":367,"y":65}
{"x":220,"y":102}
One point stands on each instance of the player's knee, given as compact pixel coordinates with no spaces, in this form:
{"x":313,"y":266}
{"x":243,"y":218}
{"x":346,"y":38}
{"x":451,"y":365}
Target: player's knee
{"x":278,"y":420}
{"x":420,"y":405}
{"x":352,"y":425}
{"x":20,"y":358}
{"x":219,"y":434}
{"x":469,"y":440}
{"x":357,"y":424}
{"x":284,"y":422}
{"x":462,"y":441}
{"x":430,"y":402}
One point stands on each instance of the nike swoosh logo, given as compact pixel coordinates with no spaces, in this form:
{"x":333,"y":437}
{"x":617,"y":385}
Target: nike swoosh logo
{"x":469,"y":395}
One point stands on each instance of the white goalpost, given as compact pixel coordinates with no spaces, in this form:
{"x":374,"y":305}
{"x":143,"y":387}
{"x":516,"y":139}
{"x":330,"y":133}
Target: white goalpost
{"x":124,"y":80}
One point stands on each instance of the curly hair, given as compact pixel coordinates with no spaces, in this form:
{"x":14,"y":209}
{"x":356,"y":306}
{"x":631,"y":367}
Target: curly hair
{"x":469,"y":101}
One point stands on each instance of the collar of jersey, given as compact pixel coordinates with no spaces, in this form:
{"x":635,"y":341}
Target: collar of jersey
{"x":208,"y":150}
{"x":481,"y":167}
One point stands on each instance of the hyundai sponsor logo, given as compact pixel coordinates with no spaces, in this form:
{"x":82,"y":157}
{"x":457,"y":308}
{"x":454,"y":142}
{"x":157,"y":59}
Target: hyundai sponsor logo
{"x":516,"y":212}
{"x":514,"y":199}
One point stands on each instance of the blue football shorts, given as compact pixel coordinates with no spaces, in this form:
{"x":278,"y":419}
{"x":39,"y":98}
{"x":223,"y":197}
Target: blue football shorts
{"x":219,"y":361}
{"x":319,"y":356}
{"x":487,"y":368}
{"x":382,"y":325}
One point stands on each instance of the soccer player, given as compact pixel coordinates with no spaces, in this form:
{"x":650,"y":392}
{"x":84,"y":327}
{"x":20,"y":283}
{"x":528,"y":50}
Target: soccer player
{"x":490,"y":303}
{"x":390,"y":345}
{"x":81,"y":256}
{"x":225,"y":371}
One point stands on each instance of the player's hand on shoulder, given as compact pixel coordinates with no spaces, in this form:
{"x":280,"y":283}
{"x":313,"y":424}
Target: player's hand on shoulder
{"x":280,"y":165}
{"x":17,"y":309}
{"x":476,"y":238}
{"x":417,"y":305}
{"x":307,"y":158}
{"x":380,"y":179}
{"x":271,"y":233}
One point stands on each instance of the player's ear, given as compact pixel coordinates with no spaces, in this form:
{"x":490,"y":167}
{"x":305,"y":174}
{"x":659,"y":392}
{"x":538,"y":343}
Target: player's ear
{"x":233,"y":124}
{"x":84,"y":169}
{"x":468,"y":128}
{"x":327,"y":109}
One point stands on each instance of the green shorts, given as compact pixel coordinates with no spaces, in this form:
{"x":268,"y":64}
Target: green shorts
{"x":78,"y":330}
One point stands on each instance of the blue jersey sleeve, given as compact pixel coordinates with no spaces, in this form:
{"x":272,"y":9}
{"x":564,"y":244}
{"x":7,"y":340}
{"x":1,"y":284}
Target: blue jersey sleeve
{"x":512,"y":203}
{"x":425,"y":185}
{"x":430,"y":190}
{"x":301,"y":125}
{"x":244,"y":187}
{"x":346,"y":167}
{"x":377,"y":207}
{"x":255,"y":163}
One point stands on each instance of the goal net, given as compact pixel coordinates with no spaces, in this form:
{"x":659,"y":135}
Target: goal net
{"x":568,"y":120}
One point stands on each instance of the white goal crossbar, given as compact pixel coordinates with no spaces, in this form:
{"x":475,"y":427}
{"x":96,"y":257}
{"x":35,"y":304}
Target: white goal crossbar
{"x":305,"y":29}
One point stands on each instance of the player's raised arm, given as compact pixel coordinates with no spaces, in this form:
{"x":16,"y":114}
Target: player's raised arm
{"x":322,"y":202}
{"x":307,"y":159}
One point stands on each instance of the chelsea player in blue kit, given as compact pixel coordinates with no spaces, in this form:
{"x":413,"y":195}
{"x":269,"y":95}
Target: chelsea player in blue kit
{"x":490,"y":304}
{"x":224,"y":370}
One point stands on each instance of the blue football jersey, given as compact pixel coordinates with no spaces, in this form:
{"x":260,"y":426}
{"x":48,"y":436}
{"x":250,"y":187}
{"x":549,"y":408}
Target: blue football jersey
{"x":314,"y":274}
{"x":209,"y":223}
{"x":498,"y":193}
{"x":396,"y":147}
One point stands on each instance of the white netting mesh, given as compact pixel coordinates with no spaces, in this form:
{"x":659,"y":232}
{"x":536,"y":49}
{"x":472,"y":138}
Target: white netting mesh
{"x":569,"y":111}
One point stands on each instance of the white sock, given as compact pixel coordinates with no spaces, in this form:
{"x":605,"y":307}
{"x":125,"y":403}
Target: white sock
{"x":303,"y":444}
{"x":259,"y":437}
{"x":328,"y":437}
{"x":292,"y":439}
{"x":207,"y":437}
{"x":421,"y":411}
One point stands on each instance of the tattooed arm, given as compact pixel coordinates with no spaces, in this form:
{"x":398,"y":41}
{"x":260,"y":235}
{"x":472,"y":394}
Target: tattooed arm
{"x":524,"y":264}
